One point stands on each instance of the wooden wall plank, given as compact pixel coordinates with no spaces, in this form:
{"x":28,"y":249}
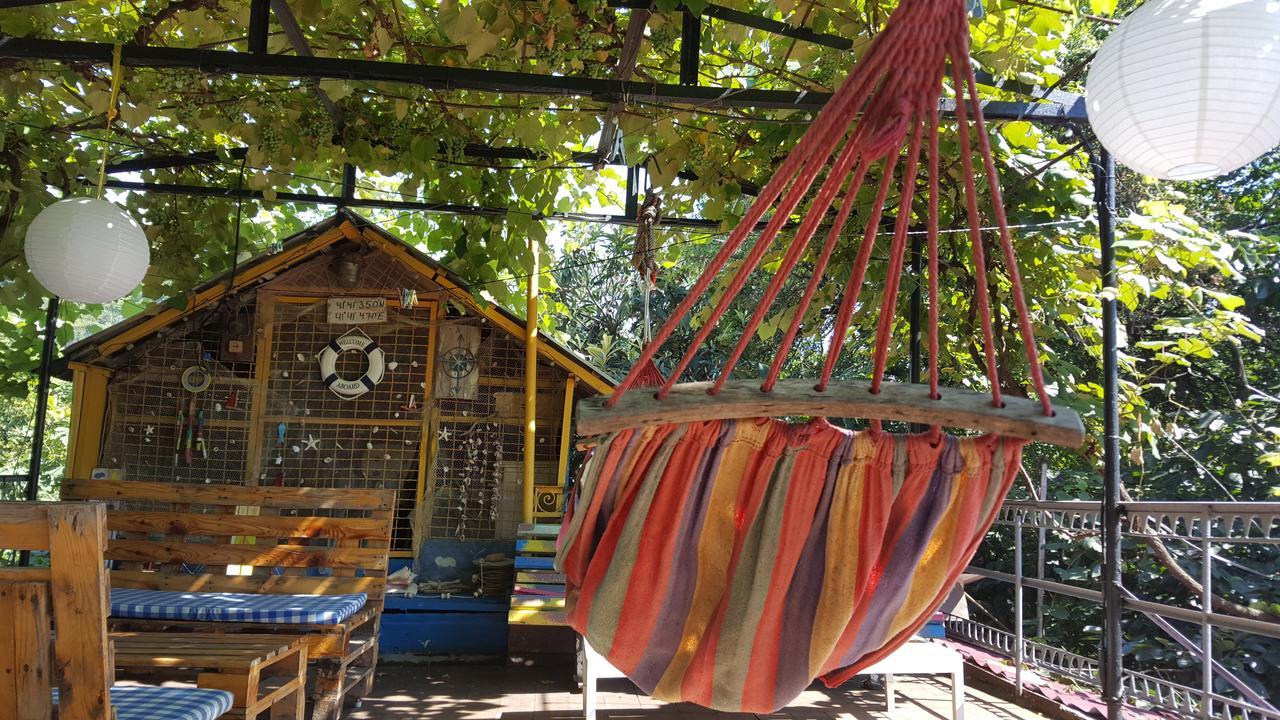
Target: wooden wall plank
{"x":270,"y":527}
{"x":374,"y":587}
{"x":274,"y":497}
{"x":295,"y":556}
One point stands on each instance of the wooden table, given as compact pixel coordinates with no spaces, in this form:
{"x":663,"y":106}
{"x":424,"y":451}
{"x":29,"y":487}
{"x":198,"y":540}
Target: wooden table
{"x":239,"y":664}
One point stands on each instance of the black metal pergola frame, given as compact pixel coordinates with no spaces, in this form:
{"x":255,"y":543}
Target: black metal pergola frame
{"x":1045,"y":107}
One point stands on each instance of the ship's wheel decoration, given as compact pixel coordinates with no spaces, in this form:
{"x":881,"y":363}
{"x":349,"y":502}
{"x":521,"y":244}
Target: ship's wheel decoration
{"x":459,"y":364}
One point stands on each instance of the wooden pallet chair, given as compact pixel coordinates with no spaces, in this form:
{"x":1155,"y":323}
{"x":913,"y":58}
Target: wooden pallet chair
{"x":54,"y":649}
{"x":310,"y":562}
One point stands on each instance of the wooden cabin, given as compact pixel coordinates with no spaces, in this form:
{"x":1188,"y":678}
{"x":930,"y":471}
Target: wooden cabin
{"x":346,"y":359}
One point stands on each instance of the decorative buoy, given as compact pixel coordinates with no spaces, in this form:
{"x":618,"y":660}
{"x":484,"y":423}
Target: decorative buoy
{"x":353,"y":341}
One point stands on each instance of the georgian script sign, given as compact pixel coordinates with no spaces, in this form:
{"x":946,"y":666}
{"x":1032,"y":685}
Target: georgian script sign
{"x":355,"y":310}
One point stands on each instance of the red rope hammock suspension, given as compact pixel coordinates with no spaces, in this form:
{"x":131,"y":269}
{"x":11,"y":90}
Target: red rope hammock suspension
{"x":721,"y":556}
{"x":885,"y":114}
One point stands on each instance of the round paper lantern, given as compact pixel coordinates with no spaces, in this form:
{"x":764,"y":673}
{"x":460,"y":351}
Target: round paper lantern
{"x":87,"y":250}
{"x":1187,"y":89}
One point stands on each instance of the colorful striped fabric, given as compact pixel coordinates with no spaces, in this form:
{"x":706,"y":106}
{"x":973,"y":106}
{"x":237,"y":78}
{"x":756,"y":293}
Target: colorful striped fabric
{"x":729,"y":563}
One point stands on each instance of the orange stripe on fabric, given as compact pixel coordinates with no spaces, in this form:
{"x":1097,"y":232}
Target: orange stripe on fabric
{"x":615,"y":584}
{"x":844,"y":556}
{"x":651,"y":575}
{"x":572,"y":556}
{"x":718,"y":530}
{"x":1012,"y":451}
{"x":936,"y":562}
{"x":595,"y":560}
{"x":813,"y":457}
{"x":756,"y":450}
{"x":879,"y":504}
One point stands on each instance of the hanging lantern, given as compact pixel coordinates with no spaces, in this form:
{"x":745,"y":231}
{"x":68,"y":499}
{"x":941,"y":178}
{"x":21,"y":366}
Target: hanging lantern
{"x":1187,"y":89}
{"x":87,"y":250}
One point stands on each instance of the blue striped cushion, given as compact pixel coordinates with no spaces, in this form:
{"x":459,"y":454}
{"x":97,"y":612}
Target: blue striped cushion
{"x":234,"y":607}
{"x":146,"y":702}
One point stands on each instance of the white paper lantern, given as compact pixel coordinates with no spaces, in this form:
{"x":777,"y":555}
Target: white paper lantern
{"x":1187,"y":89}
{"x":87,"y":250}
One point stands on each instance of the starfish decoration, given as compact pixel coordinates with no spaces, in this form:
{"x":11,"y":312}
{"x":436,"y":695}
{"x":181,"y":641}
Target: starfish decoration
{"x":445,"y":434}
{"x":150,"y":430}
{"x":311,"y":443}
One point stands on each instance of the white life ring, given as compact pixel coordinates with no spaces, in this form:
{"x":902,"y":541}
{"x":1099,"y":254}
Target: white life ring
{"x":351,"y":389}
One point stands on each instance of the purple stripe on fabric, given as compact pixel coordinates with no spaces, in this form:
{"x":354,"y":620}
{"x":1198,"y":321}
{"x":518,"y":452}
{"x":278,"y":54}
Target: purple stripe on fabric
{"x":610,"y":499}
{"x":896,"y":580}
{"x":806,"y":586}
{"x":669,"y":627}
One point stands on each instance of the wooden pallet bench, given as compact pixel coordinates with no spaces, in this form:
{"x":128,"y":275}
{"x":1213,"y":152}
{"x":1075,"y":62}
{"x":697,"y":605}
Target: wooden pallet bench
{"x":54,"y":649}
{"x":277,"y":541}
{"x":265,"y":674}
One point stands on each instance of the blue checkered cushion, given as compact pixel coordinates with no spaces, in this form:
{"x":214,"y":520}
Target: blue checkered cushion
{"x":234,"y":607}
{"x":146,"y":702}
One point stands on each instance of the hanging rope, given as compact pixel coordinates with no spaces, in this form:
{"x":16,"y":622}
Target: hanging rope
{"x":644,"y":260}
{"x":883,"y":118}
{"x":116,"y":75}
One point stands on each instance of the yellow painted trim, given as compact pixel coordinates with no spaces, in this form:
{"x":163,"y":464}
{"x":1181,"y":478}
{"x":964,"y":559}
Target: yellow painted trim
{"x":163,"y":318}
{"x":566,"y":427}
{"x":266,"y":320}
{"x":425,"y":450}
{"x":568,"y":362}
{"x":88,"y":418}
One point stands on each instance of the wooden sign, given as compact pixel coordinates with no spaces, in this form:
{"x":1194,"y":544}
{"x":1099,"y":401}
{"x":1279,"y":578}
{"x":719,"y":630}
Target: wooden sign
{"x":356,"y":310}
{"x":457,"y":366}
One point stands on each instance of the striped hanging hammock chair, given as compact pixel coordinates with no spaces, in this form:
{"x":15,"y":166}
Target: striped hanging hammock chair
{"x":719,"y":555}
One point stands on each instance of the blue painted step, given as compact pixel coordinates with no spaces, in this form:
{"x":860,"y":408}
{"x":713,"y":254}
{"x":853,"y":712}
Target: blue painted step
{"x":535,"y":563}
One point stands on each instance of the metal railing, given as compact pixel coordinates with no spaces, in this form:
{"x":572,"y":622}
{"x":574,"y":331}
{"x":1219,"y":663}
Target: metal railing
{"x":1195,"y":524}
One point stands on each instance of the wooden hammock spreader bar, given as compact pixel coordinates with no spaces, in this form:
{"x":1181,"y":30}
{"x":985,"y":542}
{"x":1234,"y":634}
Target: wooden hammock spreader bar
{"x":689,"y":402}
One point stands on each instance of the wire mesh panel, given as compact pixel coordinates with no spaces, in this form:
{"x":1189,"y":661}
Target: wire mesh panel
{"x":158,"y":430}
{"x":474,"y":488}
{"x":312,"y":436}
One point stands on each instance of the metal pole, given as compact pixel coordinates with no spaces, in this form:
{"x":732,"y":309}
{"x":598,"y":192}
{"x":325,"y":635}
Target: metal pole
{"x":1206,"y":626}
{"x":348,"y":183}
{"x":530,"y":382}
{"x":42,"y":398}
{"x":913,"y":324}
{"x":1019,"y":656}
{"x":1112,"y":592}
{"x":259,"y":25}
{"x":1041,"y":535}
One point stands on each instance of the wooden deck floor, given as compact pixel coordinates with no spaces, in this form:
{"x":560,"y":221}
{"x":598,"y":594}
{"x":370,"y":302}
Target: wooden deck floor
{"x":476,"y":692}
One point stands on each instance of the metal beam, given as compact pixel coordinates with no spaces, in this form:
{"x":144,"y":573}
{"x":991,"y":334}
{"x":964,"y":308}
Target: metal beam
{"x":210,"y":157}
{"x":770,"y":25}
{"x":447,"y":78}
{"x":405,"y":205}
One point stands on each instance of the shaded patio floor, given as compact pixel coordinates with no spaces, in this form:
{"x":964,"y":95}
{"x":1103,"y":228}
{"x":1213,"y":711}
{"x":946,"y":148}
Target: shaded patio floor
{"x":546,"y":692}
